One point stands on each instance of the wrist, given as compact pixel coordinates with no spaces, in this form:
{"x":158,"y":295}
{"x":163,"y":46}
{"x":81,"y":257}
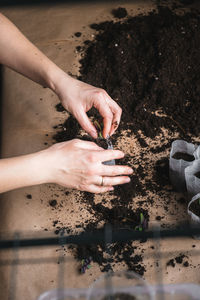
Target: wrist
{"x":56,"y":78}
{"x":36,"y":168}
{"x":41,"y":166}
{"x":22,"y":171}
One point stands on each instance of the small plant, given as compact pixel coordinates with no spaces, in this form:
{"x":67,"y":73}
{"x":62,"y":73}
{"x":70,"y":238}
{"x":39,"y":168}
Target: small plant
{"x":99,"y":129}
{"x":143,"y":223}
{"x":85,"y":264}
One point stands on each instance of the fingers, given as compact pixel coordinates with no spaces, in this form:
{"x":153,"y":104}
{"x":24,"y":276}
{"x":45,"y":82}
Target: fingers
{"x":108,"y":155}
{"x":110,"y":111}
{"x":99,"y":189}
{"x":110,"y":181}
{"x":85,"y":123}
{"x":102,"y":106}
{"x":87,"y":145}
{"x":117,"y":112}
{"x":115,"y":170}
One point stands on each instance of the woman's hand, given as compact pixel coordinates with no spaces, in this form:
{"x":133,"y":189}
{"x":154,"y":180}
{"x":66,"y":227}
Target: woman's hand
{"x":78,"y":164}
{"x":75,"y":164}
{"x":79,"y":97}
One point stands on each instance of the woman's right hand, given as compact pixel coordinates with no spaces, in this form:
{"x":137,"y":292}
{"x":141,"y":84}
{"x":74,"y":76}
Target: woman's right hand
{"x":78,"y":164}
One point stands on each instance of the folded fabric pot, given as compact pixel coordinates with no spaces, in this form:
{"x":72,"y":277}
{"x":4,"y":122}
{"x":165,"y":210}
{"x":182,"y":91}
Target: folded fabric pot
{"x":192,"y":177}
{"x":182,"y":155}
{"x":194,"y":213}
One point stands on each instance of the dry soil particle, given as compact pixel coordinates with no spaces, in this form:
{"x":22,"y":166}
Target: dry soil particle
{"x":53,"y":203}
{"x":171,"y":263}
{"x":59,"y":107}
{"x":78,"y":34}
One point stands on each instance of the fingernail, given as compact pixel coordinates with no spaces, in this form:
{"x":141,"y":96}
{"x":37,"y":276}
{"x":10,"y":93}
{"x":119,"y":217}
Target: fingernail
{"x":127,"y":180}
{"x":94,"y":134}
{"x":130,"y":171}
{"x":111,"y":189}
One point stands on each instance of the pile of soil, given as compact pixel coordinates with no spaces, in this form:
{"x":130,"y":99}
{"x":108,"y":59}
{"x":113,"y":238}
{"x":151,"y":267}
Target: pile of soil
{"x":150,"y":66}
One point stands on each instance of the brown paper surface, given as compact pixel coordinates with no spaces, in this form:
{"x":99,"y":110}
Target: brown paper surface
{"x":28,"y":115}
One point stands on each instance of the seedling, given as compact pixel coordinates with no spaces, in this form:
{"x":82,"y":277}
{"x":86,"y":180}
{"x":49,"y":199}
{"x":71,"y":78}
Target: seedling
{"x":143,"y":223}
{"x":99,"y":129}
{"x":85,"y":264}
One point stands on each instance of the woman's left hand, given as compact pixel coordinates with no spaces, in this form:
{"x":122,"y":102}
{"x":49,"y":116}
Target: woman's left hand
{"x":78,"y":98}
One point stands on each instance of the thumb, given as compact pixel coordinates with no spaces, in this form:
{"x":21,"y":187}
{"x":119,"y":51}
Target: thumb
{"x":85,"y":123}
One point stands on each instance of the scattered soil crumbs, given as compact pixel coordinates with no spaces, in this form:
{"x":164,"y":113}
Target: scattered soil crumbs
{"x":179,"y":260}
{"x":120,"y":217}
{"x":150,"y":66}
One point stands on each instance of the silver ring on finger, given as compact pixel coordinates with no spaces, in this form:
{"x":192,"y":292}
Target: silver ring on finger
{"x":102,"y":183}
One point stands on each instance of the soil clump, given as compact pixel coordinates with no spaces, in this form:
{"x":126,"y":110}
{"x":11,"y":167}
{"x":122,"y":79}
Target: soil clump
{"x":119,"y":13}
{"x":184,"y":156}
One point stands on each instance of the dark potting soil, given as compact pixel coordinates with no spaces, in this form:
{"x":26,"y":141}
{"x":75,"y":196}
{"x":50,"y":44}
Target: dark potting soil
{"x":78,"y":34}
{"x":179,"y":260}
{"x":119,"y":217}
{"x":59,"y":107}
{"x":195,"y":207}
{"x":119,"y":13}
{"x":53,"y":203}
{"x":197,"y":174}
{"x":184,"y":156}
{"x":171,"y":263}
{"x":119,"y":296}
{"x":186,"y":264}
{"x":147,"y":64}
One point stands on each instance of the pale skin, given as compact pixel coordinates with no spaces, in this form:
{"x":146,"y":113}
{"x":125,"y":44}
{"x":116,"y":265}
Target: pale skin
{"x":74,"y":164}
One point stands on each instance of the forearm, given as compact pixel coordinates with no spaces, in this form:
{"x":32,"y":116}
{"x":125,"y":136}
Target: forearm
{"x":22,"y":171}
{"x":18,"y":53}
